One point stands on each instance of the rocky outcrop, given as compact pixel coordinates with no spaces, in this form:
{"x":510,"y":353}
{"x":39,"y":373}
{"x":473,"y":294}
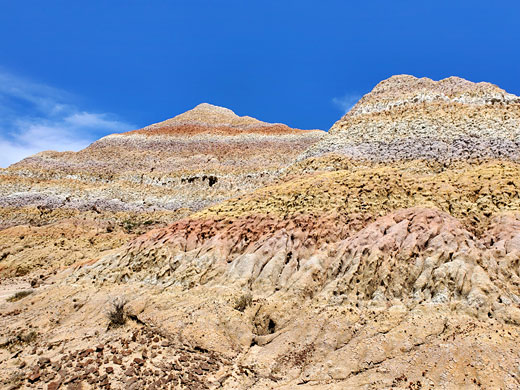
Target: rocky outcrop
{"x":393,"y":303}
{"x":412,"y":255}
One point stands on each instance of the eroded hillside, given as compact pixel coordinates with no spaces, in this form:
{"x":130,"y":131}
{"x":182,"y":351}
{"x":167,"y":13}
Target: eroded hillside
{"x":125,"y":184}
{"x":386,"y":255}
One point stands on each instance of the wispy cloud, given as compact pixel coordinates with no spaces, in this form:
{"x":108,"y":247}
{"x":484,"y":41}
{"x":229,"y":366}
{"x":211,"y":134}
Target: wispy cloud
{"x":346,"y":102}
{"x":36,"y":117}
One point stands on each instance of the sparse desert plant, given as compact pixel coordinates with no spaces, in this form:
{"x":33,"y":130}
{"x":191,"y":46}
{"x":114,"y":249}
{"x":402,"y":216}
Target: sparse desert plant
{"x":28,"y":337}
{"x":243,"y":302}
{"x":129,"y":225}
{"x":19,"y":295}
{"x":116,"y":314}
{"x":20,"y":338}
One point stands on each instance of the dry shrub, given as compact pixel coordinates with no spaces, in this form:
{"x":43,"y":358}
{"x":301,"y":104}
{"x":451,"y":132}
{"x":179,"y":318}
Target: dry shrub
{"x":117,"y":315}
{"x":19,"y":295}
{"x":243,"y":302}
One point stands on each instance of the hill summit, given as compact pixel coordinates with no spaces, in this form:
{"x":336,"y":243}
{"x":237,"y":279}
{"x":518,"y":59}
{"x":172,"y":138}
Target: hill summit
{"x":211,"y":115}
{"x":207,"y":118}
{"x":405,"y":117}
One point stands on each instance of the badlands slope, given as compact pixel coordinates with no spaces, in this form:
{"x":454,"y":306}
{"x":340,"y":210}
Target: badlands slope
{"x":386,"y":256}
{"x":197,"y":158}
{"x":408,"y":118}
{"x":94,"y":200}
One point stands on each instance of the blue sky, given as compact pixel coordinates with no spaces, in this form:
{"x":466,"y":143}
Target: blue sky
{"x":72,"y":71}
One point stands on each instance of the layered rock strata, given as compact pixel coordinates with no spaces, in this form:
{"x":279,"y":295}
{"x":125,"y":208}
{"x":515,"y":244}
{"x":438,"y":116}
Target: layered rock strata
{"x":391,"y":268}
{"x":195,"y":159}
{"x":408,"y":118}
{"x":125,"y":184}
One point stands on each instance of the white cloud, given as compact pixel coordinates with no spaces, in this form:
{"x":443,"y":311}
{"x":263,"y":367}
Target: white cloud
{"x":36,"y":117}
{"x":346,"y":102}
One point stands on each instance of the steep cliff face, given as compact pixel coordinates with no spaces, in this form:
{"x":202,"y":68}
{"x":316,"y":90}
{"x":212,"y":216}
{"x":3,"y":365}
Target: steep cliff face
{"x":386,"y":255}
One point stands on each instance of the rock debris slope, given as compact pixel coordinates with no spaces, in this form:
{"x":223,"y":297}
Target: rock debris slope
{"x":386,"y":256}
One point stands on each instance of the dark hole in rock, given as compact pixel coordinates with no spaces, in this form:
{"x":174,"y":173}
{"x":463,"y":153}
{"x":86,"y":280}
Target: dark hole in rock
{"x":288,"y":257}
{"x":271,"y":327}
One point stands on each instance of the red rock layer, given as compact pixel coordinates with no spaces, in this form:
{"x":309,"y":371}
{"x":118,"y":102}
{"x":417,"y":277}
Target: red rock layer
{"x":190,"y":130}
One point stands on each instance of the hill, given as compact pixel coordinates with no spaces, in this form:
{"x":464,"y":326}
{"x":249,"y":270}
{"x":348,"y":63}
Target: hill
{"x":384,"y":255}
